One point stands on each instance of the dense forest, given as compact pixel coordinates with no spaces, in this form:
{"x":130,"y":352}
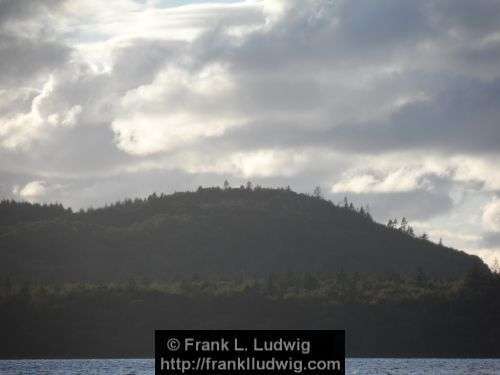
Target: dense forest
{"x":390,"y":315}
{"x":213,"y":231}
{"x":97,"y":282}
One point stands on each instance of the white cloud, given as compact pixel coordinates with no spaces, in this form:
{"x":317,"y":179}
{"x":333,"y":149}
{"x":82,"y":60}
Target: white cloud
{"x":254,"y":164}
{"x":386,"y":101}
{"x":20,"y":130}
{"x":32,"y":190}
{"x":179,"y":107}
{"x":400,"y":180}
{"x":491,"y":216}
{"x":476,"y":168}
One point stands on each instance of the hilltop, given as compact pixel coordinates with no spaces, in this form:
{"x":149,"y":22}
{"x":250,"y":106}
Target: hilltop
{"x":212,"y":231}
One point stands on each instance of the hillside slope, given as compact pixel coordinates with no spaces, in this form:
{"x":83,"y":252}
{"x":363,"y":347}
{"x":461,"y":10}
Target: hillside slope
{"x":213,"y":231}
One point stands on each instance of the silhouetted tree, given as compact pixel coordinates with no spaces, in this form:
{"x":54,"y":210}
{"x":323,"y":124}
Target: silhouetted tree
{"x":496,"y":266}
{"x":346,"y":203}
{"x":317,"y":192}
{"x":478,"y":279}
{"x":410,"y":231}
{"x":404,"y":224}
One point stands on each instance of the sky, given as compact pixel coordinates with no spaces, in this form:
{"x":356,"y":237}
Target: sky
{"x":392,"y":103}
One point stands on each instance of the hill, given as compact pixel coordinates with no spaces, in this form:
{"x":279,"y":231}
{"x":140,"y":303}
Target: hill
{"x":211,"y":231}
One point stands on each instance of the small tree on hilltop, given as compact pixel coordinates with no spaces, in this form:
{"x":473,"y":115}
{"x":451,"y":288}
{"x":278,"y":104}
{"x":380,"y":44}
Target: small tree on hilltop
{"x":410,"y":231}
{"x":404,"y":224}
{"x":496,"y":267}
{"x":317,"y":192}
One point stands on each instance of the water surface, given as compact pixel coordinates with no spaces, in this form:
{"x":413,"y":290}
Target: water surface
{"x":355,"y":366}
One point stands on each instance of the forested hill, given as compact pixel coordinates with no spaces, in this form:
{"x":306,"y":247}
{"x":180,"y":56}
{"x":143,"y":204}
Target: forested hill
{"x":212,"y":231}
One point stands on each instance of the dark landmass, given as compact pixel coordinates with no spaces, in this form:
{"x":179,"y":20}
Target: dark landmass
{"x":211,"y":232}
{"x":391,"y":316}
{"x":96,"y":283}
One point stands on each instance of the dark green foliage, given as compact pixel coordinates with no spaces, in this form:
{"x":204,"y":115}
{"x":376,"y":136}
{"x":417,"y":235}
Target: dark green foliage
{"x":310,"y":282}
{"x":383,"y":315}
{"x":228,"y":231}
{"x":98,"y":282}
{"x":12,"y":212}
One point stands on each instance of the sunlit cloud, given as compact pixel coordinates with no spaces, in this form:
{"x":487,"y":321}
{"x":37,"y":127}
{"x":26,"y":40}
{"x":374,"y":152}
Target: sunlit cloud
{"x":395,"y":104}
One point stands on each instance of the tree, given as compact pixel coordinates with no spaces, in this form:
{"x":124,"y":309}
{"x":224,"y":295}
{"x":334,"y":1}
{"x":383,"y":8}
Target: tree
{"x":132,"y":285}
{"x":421,"y":277}
{"x":424,"y":236}
{"x":226,"y":185}
{"x":395,"y":223}
{"x":477,"y":278}
{"x":496,"y":267}
{"x":310,"y":282}
{"x":404,"y":224}
{"x":249,"y":185}
{"x":271,"y":285}
{"x":410,"y":231}
{"x":317,"y":192}
{"x":367,"y":212}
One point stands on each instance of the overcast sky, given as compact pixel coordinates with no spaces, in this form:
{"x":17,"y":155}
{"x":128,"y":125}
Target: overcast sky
{"x":394,"y":103}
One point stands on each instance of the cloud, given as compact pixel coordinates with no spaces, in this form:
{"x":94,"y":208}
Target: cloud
{"x":157,"y":117}
{"x":400,"y":180}
{"x":21,"y":129}
{"x":32,"y":190}
{"x":491,"y":216}
{"x":393,"y":103}
{"x":27,"y":50}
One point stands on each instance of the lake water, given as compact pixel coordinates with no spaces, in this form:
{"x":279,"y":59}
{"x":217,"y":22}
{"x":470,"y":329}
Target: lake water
{"x":356,"y":366}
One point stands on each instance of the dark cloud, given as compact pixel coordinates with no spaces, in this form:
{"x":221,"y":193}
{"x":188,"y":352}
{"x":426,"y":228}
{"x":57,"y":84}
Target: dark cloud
{"x":14,"y":10}
{"x":26,"y":54}
{"x":462,"y":118}
{"x":140,"y":60}
{"x":22,"y":59}
{"x":475,"y":17}
{"x":414,"y":205}
{"x":491,"y":240}
{"x":303,"y":97}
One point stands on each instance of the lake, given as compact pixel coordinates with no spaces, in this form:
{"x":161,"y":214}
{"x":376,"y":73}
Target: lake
{"x":355,"y":366}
